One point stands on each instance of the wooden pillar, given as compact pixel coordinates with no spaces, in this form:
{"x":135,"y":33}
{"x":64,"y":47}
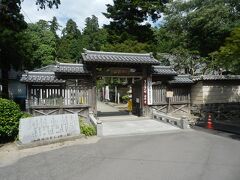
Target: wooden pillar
{"x":27,"y":102}
{"x":169,"y":106}
{"x":189,"y":101}
{"x":116,"y":94}
{"x":94,"y":89}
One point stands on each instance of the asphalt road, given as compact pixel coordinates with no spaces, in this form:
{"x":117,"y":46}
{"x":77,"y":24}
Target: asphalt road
{"x":187,"y":155}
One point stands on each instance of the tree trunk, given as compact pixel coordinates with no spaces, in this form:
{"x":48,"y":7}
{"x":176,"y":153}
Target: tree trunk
{"x":5,"y":93}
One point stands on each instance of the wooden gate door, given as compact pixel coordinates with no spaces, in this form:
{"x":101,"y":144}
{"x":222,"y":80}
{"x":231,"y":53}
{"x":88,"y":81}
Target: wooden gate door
{"x":137,"y":98}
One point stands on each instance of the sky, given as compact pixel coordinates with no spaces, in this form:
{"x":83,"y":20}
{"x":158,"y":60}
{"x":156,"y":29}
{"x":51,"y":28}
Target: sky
{"x":78,"y":10}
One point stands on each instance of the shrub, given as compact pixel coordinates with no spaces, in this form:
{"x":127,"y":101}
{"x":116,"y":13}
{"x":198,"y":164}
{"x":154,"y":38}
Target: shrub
{"x":10,"y":114}
{"x":87,"y":129}
{"x":26,"y":115}
{"x":125,"y":98}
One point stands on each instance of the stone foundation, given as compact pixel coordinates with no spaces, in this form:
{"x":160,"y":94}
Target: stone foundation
{"x":225,"y":113}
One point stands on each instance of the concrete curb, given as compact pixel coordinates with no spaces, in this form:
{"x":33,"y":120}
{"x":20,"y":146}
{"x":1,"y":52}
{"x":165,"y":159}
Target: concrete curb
{"x":47,"y":142}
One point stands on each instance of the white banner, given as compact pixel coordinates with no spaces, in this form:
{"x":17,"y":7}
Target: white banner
{"x":149,"y":90}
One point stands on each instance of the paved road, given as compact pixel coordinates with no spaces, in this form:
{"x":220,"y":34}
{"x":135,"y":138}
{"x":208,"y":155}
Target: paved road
{"x":188,"y":155}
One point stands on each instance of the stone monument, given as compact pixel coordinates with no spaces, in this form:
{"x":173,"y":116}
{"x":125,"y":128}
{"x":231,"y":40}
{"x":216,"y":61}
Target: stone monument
{"x":48,"y":127}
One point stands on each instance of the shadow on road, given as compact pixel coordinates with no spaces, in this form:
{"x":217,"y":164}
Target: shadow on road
{"x":218,"y":133}
{"x":119,"y":113}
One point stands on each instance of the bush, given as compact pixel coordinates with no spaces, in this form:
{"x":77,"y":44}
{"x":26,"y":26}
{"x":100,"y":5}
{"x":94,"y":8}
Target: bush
{"x":87,"y":129}
{"x":26,"y":115}
{"x":10,"y":114}
{"x":125,"y":98}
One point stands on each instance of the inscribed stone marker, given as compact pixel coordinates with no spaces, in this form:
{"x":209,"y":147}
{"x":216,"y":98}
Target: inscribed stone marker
{"x":48,"y":127}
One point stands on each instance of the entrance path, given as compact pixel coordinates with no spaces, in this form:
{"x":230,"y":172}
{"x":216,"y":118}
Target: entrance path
{"x":107,"y":110}
{"x":130,"y":127}
{"x":118,"y":123}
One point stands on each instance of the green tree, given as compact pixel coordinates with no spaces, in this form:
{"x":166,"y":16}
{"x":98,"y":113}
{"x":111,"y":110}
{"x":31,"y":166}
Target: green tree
{"x":210,"y":23}
{"x":228,"y":56}
{"x":49,"y":3}
{"x":71,"y":30}
{"x":93,"y":36}
{"x":128,"y":17}
{"x":128,"y":46}
{"x":11,"y":22}
{"x":39,"y":45}
{"x":70,"y":45}
{"x":201,"y":25}
{"x":196,"y":27}
{"x":11,"y":25}
{"x":54,"y":27}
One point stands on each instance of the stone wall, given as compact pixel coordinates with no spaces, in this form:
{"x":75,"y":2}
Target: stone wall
{"x":211,"y":92}
{"x":224,"y":113}
{"x":197,"y":93}
{"x":221,"y":92}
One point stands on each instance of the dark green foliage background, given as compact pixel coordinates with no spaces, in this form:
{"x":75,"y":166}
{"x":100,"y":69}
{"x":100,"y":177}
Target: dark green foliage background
{"x":194,"y":32}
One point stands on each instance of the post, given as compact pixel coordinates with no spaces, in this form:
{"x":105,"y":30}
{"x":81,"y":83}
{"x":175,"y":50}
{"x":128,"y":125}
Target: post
{"x":99,"y":128}
{"x":168,"y":109}
{"x":169,"y":94}
{"x":184,"y":122}
{"x":189,"y":102}
{"x":27,"y":101}
{"x":118,"y":98}
{"x":94,"y":94}
{"x":116,"y":95}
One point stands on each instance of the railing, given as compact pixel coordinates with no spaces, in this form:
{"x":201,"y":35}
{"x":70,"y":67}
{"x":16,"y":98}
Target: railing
{"x":58,"y":101}
{"x":179,"y":122}
{"x":57,"y":96}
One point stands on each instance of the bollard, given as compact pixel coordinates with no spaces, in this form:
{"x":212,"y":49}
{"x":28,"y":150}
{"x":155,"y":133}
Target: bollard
{"x":184,"y":122}
{"x":99,"y":128}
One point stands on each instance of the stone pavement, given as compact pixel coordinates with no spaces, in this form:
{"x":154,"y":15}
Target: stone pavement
{"x":118,"y":123}
{"x":108,"y":110}
{"x":185,"y":155}
{"x":133,"y":127}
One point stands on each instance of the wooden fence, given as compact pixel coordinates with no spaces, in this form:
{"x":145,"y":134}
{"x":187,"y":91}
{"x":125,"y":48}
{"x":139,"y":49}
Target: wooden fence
{"x":179,"y":103}
{"x":180,"y":95}
{"x":57,"y":96}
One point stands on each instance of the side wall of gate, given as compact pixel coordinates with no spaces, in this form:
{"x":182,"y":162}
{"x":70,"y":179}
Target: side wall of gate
{"x":178,"y":104}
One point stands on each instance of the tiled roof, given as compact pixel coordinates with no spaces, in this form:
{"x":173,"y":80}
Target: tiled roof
{"x":114,"y":57}
{"x":216,"y":77}
{"x":48,"y":68}
{"x":40,"y":77}
{"x":181,"y":79}
{"x":163,"y":70}
{"x":71,"y":68}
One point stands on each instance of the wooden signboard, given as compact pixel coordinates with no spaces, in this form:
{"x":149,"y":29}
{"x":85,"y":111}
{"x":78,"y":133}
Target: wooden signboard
{"x":169,"y":94}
